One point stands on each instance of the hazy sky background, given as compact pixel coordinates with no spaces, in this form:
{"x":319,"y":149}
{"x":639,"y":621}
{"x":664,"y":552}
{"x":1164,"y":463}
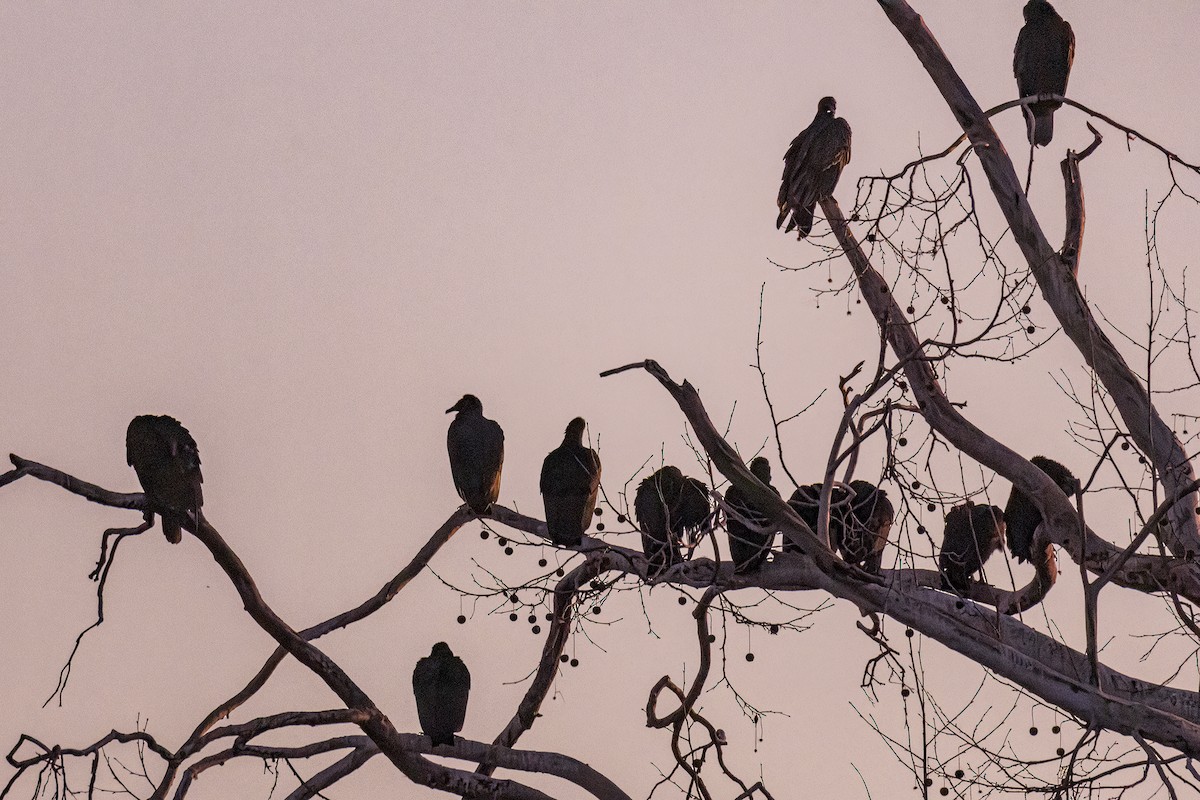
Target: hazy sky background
{"x":306,"y":230}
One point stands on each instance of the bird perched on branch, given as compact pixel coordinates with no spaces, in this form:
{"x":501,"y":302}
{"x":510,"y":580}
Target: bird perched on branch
{"x":167,"y":462}
{"x":748,"y":547}
{"x":570,"y":481}
{"x":1021,"y":516}
{"x":972,"y":534}
{"x":1042,"y":64}
{"x":811,"y":167}
{"x":441,"y":684}
{"x":668,"y":506}
{"x":860,"y":532}
{"x":858,"y":527}
{"x":806,"y":502}
{"x":476,"y":447}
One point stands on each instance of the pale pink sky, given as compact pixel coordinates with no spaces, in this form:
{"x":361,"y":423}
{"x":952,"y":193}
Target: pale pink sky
{"x":305,"y":230}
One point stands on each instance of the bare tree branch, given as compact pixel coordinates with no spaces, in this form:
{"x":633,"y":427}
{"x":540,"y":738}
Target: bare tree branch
{"x":1057,"y":283}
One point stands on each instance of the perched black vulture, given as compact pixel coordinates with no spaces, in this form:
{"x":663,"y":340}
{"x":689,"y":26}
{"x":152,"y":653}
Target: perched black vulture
{"x":860,"y":531}
{"x":972,"y":534}
{"x":441,"y":684}
{"x":1042,"y":63}
{"x":806,"y":502}
{"x":668,"y":505}
{"x":811,"y":167}
{"x":570,"y":480}
{"x":1021,"y":516}
{"x":476,"y":447}
{"x":748,"y":548}
{"x":167,"y":462}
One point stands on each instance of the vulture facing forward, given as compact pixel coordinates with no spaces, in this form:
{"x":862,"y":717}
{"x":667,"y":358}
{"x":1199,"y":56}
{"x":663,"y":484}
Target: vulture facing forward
{"x":1021,"y":516}
{"x":167,"y":462}
{"x":1042,"y":63}
{"x":668,"y":505}
{"x":570,"y":481}
{"x":972,"y":534}
{"x":811,"y":167}
{"x":748,"y":547}
{"x":476,"y":447}
{"x":441,"y":684}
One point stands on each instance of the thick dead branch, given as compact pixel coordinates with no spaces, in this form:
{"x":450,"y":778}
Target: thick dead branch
{"x":1073,"y":183}
{"x":339,"y":769}
{"x":556,"y":642}
{"x":1015,"y":652}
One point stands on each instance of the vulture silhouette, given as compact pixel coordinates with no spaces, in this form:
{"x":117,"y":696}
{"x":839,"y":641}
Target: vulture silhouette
{"x":167,"y":462}
{"x":1021,"y":516}
{"x":1042,"y":64}
{"x":570,"y":481}
{"x":858,"y":529}
{"x":668,"y":506}
{"x":811,"y":167}
{"x":973,"y":533}
{"x":806,"y":502}
{"x":748,"y":547}
{"x":476,"y":447}
{"x":441,"y":684}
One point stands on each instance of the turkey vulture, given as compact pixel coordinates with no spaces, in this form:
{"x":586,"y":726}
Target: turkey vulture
{"x":570,"y":480}
{"x":972,"y":534}
{"x":860,"y":531}
{"x":748,"y":548}
{"x":668,"y":505}
{"x":167,"y":462}
{"x":1021,"y":516}
{"x":811,"y":167}
{"x":441,"y":683}
{"x":1042,"y":63}
{"x":476,"y":447}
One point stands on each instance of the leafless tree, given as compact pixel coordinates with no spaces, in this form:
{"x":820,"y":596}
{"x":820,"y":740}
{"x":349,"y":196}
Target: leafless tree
{"x":967,"y":274}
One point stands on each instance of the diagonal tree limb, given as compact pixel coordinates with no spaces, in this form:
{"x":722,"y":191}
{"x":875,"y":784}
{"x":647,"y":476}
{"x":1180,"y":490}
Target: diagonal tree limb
{"x":1057,"y":284}
{"x":1150,"y":574}
{"x":88,"y":491}
{"x":556,"y":642}
{"x":339,"y":769}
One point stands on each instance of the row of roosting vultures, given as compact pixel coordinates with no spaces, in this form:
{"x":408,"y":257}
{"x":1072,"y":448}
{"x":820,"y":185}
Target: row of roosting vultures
{"x":674,"y":512}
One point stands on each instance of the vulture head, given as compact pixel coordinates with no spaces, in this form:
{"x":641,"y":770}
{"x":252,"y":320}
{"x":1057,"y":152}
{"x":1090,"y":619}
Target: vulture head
{"x":469,"y":402}
{"x":1038,"y":9}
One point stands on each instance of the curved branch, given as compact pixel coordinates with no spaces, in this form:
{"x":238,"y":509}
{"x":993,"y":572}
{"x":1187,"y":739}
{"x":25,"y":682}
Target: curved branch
{"x":1149,"y":574}
{"x":88,"y":491}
